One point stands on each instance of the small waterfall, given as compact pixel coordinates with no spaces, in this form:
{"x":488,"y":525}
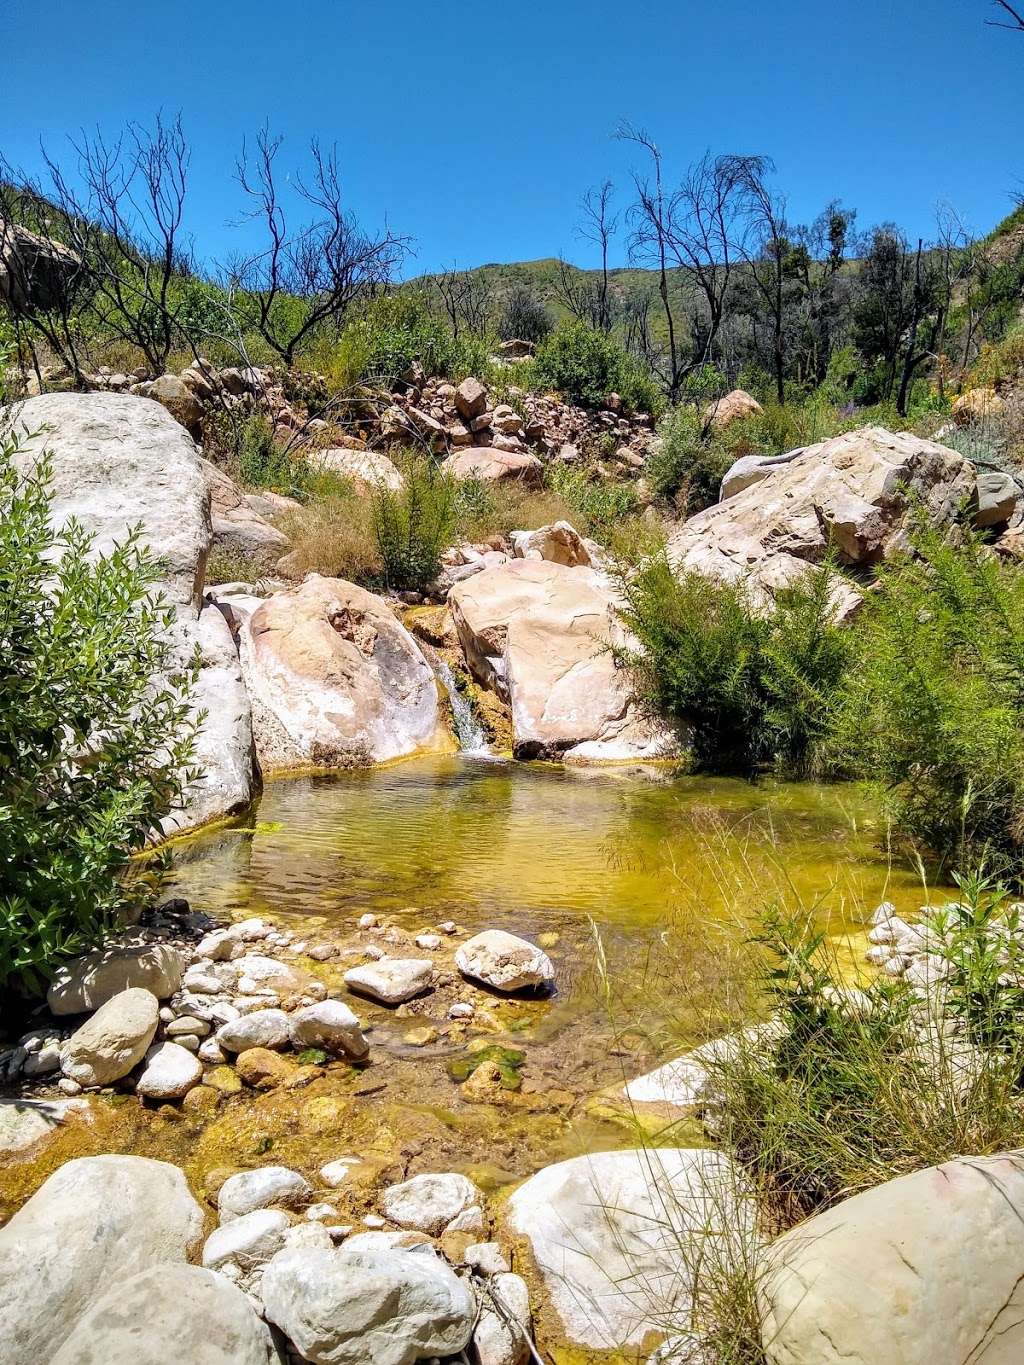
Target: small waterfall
{"x":468,"y":730}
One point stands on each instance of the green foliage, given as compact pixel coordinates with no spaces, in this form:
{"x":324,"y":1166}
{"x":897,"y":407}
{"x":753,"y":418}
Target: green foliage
{"x":413,"y":526}
{"x":585,"y":366}
{"x":396,"y":330}
{"x":688,"y":465}
{"x":95,"y":732}
{"x":749,"y":688}
{"x":933,"y":708}
{"x":600,"y":507}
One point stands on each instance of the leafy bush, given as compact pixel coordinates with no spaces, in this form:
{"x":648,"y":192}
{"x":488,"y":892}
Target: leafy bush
{"x":413,"y":527}
{"x":687,"y":465}
{"x":933,"y":708}
{"x":396,"y":330}
{"x":524,"y":317}
{"x":95,"y":733}
{"x":596,"y":508}
{"x":585,"y":366}
{"x":748,"y":688}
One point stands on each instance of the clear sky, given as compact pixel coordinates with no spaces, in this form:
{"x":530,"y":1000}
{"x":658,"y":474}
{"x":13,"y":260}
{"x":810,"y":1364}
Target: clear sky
{"x":476,"y":127}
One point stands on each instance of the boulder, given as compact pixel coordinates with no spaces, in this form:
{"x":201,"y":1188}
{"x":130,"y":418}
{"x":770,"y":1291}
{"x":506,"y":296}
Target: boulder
{"x":734,"y":407}
{"x":392,"y":979}
{"x":119,"y":461}
{"x":998,"y":496}
{"x":938,"y":1256}
{"x":977,"y":405}
{"x":428,"y":1203}
{"x":504,"y":961}
{"x":470,"y":399}
{"x":35,"y":271}
{"x":95,"y":1222}
{"x":257,"y":972}
{"x":170,"y":1313}
{"x":261,"y":1189}
{"x":261,"y":1028}
{"x":559,"y":543}
{"x":855,"y":490}
{"x":170,"y":1072}
{"x":336,"y":680}
{"x":366,"y":1306}
{"x":605,"y":1232}
{"x":236,"y":525}
{"x":228,"y":779}
{"x":249,"y":1240}
{"x":180,"y":401}
{"x":89,"y":981}
{"x":367,"y":469}
{"x":488,"y":464}
{"x":330,"y":1025}
{"x":112,"y":1041}
{"x":542,"y":636}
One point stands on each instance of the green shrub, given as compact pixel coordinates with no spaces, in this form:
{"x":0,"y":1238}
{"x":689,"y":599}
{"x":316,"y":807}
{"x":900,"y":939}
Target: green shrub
{"x":93,"y":749}
{"x":688,"y":465}
{"x":585,"y":366}
{"x":396,"y":330}
{"x":414,"y":526}
{"x":747,"y":688}
{"x":933,"y":708}
{"x":598,"y":507}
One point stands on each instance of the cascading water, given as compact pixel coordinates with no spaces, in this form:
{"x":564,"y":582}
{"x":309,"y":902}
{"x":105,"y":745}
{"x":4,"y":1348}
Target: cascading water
{"x":468,"y":730}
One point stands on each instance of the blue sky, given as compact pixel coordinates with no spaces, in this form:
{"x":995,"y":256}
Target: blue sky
{"x":476,"y":127}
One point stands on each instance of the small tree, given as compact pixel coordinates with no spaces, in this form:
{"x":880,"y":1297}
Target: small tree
{"x":96,"y":735}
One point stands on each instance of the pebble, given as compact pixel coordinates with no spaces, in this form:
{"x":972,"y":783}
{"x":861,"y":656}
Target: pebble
{"x":421,"y":1036}
{"x":428,"y":942}
{"x":67,"y":1086}
{"x":461,"y":1010}
{"x":336,"y":1172}
{"x":487,"y":1258}
{"x":368,"y":922}
{"x":448,"y":927}
{"x":187,"y":1023}
{"x":317,"y":1213}
{"x":211,"y":1051}
{"x":373,"y":1220}
{"x":260,"y":1189}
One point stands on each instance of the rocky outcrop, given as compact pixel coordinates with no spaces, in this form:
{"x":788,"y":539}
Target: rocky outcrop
{"x":170,"y":1312}
{"x":542,"y":635}
{"x":938,"y":1254}
{"x":605,"y":1232}
{"x":335,"y":680}
{"x":854,"y":492}
{"x":237,"y":525}
{"x":95,"y":1222}
{"x":119,"y":462}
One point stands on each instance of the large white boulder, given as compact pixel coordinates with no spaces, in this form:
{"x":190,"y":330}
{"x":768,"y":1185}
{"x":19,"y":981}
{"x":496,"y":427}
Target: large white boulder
{"x":113,"y":1040}
{"x":89,"y":981}
{"x":365,"y":1306}
{"x":178,"y":1313}
{"x":263,"y":1188}
{"x":93,"y":1224}
{"x":854,"y":491}
{"x":542,"y":635}
{"x":335,"y":680}
{"x":118,"y":462}
{"x":488,"y":464}
{"x":606,"y":1233}
{"x":927,"y":1269}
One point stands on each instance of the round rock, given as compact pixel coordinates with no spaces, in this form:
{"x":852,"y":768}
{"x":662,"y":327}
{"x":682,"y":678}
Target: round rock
{"x":261,"y":1189}
{"x":392,"y":979}
{"x":170,"y":1072}
{"x":428,"y":1203}
{"x":330,"y":1025}
{"x":261,"y":1028}
{"x":504,"y":961}
{"x":114,"y":1040}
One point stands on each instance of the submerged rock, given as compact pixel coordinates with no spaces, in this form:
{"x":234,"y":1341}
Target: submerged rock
{"x":937,"y":1254}
{"x":428,"y":1203}
{"x":392,"y":979}
{"x":170,"y":1313}
{"x":114,"y":1040}
{"x":24,"y":1122}
{"x":94,"y":1223}
{"x":606,"y":1232}
{"x":504,"y":961}
{"x":361,"y":1306}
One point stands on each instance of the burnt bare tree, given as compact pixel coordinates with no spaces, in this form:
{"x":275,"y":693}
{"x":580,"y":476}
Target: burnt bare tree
{"x":766,"y":248}
{"x":120,"y":211}
{"x":466,"y":298}
{"x":324,"y":265}
{"x":1012,"y":18}
{"x":599,"y":225}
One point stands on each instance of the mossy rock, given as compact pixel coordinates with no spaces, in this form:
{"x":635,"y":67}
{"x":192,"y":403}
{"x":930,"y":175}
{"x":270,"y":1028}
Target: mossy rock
{"x":508,"y":1060}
